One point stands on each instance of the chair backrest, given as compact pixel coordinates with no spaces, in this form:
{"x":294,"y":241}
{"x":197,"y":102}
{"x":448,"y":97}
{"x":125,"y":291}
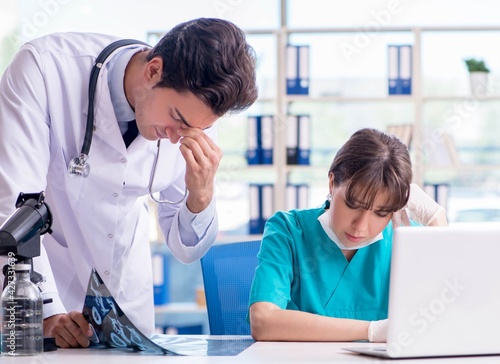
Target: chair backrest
{"x":228,"y":271}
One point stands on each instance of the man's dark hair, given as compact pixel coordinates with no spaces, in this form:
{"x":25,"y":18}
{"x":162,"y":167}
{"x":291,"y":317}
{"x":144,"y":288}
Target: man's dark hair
{"x":211,"y":59}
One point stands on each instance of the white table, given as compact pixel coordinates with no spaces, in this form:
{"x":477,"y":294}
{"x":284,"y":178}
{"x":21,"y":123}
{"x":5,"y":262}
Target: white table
{"x":260,"y":352}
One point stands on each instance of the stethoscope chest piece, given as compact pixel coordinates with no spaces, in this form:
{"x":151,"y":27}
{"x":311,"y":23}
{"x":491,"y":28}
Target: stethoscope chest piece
{"x":79,"y":166}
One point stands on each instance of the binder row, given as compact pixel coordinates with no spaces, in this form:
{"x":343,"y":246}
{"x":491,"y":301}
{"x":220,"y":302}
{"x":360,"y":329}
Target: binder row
{"x":261,"y":206}
{"x":400,"y":69}
{"x":297,"y":196}
{"x":439,"y":192}
{"x":297,"y":69}
{"x":298,"y":142}
{"x":261,"y":140}
{"x":262,"y":202}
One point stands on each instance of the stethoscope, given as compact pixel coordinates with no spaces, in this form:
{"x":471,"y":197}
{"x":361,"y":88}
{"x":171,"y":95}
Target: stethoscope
{"x":79,"y":166}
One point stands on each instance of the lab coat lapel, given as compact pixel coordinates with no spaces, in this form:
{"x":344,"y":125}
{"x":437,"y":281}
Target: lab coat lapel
{"x":105,"y":123}
{"x":106,"y":127}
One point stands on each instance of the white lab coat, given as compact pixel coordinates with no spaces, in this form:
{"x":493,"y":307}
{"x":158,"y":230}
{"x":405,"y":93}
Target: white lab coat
{"x":100,"y":221}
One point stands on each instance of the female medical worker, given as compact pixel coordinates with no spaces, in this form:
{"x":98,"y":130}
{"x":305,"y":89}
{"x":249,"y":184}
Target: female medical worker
{"x":323,"y":272}
{"x":197,"y":72}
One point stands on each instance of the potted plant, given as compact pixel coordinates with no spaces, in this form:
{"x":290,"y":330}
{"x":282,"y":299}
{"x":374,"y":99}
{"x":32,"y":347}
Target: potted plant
{"x":478,"y":72}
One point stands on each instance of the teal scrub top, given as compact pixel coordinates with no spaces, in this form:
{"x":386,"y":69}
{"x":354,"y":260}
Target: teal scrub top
{"x":301,"y":268}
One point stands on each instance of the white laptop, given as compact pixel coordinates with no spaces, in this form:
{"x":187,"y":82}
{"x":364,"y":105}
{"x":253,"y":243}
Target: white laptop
{"x":444,"y":295}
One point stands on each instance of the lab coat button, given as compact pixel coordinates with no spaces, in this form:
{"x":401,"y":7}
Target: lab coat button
{"x":110,"y":236}
{"x":106,"y":272}
{"x":124,"y":160}
{"x":115,"y":194}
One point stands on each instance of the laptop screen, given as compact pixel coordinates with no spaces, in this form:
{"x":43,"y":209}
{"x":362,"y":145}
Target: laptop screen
{"x":445,"y":291}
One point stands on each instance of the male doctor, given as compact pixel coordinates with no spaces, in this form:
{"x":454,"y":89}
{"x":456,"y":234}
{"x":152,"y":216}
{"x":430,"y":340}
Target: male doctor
{"x":199,"y":71}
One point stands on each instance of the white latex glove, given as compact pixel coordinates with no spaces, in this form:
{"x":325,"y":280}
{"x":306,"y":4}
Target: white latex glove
{"x":421,"y":207}
{"x":377,"y":331}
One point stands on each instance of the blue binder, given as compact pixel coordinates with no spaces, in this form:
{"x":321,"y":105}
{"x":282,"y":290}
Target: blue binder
{"x":393,"y":70}
{"x":297,"y":196}
{"x":266,"y":139}
{"x":261,"y":206}
{"x":298,"y":143}
{"x":400,"y":69}
{"x":292,"y":139}
{"x":260,"y":139}
{"x":267,"y":193}
{"x":255,"y":209}
{"x":302,"y":196}
{"x":304,"y":143}
{"x":405,"y":68}
{"x":253,"y":151}
{"x":439,"y":192}
{"x":297,"y":69}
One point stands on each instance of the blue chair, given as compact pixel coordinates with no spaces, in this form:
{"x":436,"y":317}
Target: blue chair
{"x":228,"y":271}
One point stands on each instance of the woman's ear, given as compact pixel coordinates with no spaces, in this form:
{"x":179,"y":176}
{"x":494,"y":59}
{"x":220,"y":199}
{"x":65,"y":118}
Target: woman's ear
{"x":331,"y":183}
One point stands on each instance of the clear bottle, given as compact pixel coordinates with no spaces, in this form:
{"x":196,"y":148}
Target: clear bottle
{"x":22,"y":315}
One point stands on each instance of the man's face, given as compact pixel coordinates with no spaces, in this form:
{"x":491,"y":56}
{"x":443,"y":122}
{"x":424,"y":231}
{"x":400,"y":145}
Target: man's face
{"x":160,"y":112}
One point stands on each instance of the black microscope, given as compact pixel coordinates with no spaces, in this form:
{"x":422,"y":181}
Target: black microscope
{"x":20,"y":237}
{"x":20,"y":234}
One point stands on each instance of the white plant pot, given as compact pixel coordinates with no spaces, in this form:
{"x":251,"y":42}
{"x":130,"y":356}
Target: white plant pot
{"x":479,"y":84}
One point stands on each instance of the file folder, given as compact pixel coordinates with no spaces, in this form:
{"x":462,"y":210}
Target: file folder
{"x":302,"y":196}
{"x":253,"y":152}
{"x":393,"y":72}
{"x":260,"y":139}
{"x":267,"y":139}
{"x":405,"y":69}
{"x":297,"y":69}
{"x":255,"y":209}
{"x":304,"y":143}
{"x":267,"y":203}
{"x":297,"y":196}
{"x":303,"y":67}
{"x":261,"y":206}
{"x":400,"y":69}
{"x":291,"y":197}
{"x":292,"y":139}
{"x":292,"y":72}
{"x":298,"y":143}
{"x":439,"y":192}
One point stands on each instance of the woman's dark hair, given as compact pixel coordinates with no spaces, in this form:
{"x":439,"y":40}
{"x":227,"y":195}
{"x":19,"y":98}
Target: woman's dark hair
{"x":369,"y":163}
{"x":210,"y":58}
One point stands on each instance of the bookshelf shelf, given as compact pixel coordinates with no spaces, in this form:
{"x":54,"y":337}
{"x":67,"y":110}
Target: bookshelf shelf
{"x":348,"y":99}
{"x":461,"y":98}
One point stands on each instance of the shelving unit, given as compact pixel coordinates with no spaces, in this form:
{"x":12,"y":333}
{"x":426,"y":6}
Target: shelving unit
{"x":417,"y":109}
{"x":418,"y":100}
{"x":284,"y":102}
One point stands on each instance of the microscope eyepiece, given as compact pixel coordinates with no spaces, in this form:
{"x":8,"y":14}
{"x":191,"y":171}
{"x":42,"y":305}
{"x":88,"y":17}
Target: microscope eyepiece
{"x":31,"y":219}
